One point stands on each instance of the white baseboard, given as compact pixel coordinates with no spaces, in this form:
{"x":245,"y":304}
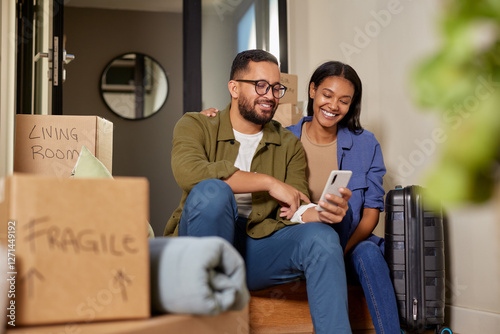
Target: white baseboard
{"x":468,"y":321}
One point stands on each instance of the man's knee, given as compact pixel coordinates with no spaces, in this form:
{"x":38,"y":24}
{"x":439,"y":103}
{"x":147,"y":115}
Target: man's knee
{"x":210,"y":194}
{"x":210,"y":210}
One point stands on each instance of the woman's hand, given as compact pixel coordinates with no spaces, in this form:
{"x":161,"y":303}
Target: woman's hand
{"x":210,"y":112}
{"x":335,"y":209}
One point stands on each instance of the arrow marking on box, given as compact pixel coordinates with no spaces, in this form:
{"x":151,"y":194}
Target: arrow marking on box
{"x":123,"y":280}
{"x":30,"y":277}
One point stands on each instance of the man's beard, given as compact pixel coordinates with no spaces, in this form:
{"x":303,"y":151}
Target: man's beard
{"x":250,"y":114}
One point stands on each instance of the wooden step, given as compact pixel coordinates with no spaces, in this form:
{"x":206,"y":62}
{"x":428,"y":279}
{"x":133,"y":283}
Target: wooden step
{"x":284,"y":309}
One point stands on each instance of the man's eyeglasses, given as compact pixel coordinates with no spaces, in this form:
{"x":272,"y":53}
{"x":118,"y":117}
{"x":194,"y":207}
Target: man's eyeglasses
{"x":262,"y":87}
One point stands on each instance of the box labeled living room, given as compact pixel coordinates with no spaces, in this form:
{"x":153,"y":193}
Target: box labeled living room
{"x":50,"y":145}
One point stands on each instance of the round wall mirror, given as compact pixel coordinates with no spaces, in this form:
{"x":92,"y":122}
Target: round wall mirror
{"x":134,"y":86}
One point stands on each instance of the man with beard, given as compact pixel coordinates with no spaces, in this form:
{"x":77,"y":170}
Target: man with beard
{"x":243,"y":179}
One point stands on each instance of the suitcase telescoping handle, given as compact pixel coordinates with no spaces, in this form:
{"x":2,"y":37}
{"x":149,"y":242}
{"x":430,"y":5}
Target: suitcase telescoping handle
{"x":415,"y":272}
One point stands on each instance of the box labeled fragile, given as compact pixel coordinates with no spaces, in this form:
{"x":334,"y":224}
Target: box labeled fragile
{"x":50,"y":144}
{"x":290,"y":81}
{"x":287,"y":114}
{"x":77,"y":248}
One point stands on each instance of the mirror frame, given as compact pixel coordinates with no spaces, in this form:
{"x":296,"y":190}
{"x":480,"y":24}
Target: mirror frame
{"x":102,"y":89}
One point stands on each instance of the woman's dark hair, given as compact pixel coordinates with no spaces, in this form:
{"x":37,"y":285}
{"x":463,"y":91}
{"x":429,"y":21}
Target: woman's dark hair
{"x":338,"y":69}
{"x":240,"y":62}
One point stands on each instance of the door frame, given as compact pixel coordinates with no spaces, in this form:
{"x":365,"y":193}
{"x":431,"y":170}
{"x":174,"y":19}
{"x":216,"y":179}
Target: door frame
{"x":7,"y":85}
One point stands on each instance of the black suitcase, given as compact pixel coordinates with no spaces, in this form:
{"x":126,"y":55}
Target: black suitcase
{"x":414,"y":251}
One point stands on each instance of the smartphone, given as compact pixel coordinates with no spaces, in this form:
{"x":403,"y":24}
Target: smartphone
{"x":337,"y":179}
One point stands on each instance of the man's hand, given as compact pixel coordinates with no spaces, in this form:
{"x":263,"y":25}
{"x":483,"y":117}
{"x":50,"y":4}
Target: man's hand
{"x":335,"y":209}
{"x":288,"y":197}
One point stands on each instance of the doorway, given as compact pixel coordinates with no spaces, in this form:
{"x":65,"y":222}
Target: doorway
{"x":41,"y":57}
{"x":215,"y":31}
{"x":100,"y":37}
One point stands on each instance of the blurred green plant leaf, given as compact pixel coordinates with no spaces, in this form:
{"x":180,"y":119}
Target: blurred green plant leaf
{"x":461,"y":81}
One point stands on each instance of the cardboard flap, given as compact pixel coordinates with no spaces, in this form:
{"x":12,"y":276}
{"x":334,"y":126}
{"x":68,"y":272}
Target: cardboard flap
{"x":104,"y":140}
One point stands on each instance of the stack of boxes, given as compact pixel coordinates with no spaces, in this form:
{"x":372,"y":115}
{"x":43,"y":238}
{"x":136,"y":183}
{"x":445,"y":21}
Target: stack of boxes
{"x":288,"y":113}
{"x":77,"y":248}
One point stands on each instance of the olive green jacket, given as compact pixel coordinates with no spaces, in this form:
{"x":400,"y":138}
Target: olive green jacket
{"x":205,"y":148}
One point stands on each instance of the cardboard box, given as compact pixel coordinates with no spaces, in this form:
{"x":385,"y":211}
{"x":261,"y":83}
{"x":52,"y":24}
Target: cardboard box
{"x":50,"y":145}
{"x":228,"y":322}
{"x":290,"y":81}
{"x":287,"y":114}
{"x":78,"y":248}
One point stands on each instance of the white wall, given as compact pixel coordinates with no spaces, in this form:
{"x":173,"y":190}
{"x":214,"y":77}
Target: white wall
{"x":383,"y":41}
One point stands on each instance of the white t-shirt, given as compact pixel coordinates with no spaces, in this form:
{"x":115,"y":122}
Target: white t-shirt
{"x":248,"y":145}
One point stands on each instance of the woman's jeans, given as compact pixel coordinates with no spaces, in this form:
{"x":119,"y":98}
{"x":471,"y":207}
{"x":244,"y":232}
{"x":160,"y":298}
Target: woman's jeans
{"x":366,"y":266}
{"x":311,"y":251}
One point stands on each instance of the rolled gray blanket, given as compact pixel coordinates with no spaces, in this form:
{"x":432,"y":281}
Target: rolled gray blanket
{"x":204,"y":276}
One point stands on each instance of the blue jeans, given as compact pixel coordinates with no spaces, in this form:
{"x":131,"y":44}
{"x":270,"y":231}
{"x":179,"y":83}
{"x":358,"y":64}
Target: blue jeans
{"x":311,"y":251}
{"x":366,"y":266}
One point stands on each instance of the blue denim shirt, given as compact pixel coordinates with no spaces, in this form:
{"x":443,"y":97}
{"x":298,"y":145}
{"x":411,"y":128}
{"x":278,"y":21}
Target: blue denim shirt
{"x":360,"y":153}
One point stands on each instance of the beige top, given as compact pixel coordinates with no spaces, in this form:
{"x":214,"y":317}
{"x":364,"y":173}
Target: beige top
{"x":321,"y":160}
